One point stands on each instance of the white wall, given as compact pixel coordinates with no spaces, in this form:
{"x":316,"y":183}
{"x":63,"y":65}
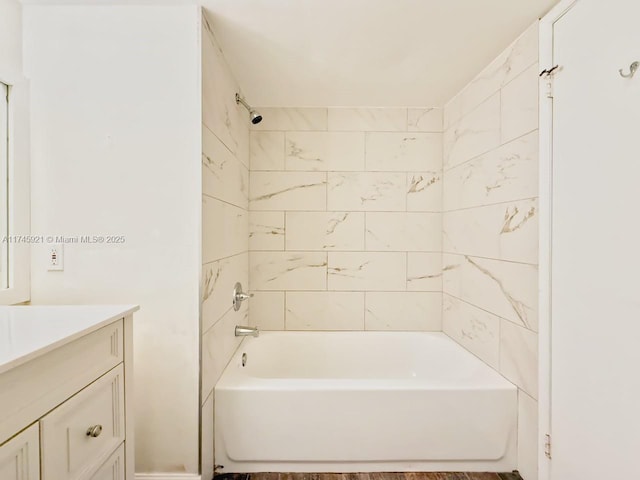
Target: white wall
{"x":490,"y":226}
{"x":10,"y":36}
{"x":225,"y":223}
{"x":345,"y":219}
{"x":116,"y":151}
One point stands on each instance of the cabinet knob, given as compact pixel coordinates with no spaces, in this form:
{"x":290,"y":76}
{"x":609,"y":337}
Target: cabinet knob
{"x":94,"y":431}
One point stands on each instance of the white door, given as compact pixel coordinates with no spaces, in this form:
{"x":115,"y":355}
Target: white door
{"x":595,"y":268}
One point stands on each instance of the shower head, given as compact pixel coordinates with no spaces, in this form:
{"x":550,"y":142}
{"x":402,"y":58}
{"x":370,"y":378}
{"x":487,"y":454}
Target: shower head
{"x":256,"y":118}
{"x":254,"y":115}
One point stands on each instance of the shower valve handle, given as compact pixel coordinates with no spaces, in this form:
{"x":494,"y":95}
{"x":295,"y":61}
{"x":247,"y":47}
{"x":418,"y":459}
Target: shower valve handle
{"x":239,"y":296}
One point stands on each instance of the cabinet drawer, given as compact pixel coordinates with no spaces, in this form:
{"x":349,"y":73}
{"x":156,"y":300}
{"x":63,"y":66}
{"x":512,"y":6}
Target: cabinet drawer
{"x":113,"y":468}
{"x":31,"y":390}
{"x":20,"y":456}
{"x":79,"y":435}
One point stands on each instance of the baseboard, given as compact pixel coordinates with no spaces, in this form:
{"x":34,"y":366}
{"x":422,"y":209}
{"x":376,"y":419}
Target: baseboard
{"x":167,"y":476}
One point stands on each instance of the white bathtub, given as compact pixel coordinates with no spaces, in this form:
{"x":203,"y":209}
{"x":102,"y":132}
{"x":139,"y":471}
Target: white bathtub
{"x":362,"y":401}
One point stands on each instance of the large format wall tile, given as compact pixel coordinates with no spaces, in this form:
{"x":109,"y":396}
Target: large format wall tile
{"x":505,"y":231}
{"x":507,"y":289}
{"x":266,"y":230}
{"x":520,"y":104}
{"x":424,"y":119}
{"x":404,"y":232}
{"x":219,"y":110}
{"x":403,"y":152}
{"x":475,"y":329}
{"x":218,"y":242}
{"x":285,"y":119}
{"x":223,"y":176}
{"x":325,"y":231}
{"x":519,"y":356}
{"x":527,"y":436}
{"x":350,"y":204}
{"x":424,"y":191}
{"x":508,"y":65}
{"x":424,"y":272}
{"x":266,"y":310}
{"x":403,"y":311}
{"x":288,"y":270}
{"x":367,"y":271}
{"x":325,"y":311}
{"x":287,"y":191}
{"x":325,"y":151}
{"x":364,"y":191}
{"x":207,"y":429}
{"x":507,"y":173}
{"x":218,"y":280}
{"x":474,"y":134}
{"x":490,"y":223}
{"x":218,"y":345}
{"x":225,"y":222}
{"x":242,"y":134}
{"x":266,"y":151}
{"x":368,"y":119}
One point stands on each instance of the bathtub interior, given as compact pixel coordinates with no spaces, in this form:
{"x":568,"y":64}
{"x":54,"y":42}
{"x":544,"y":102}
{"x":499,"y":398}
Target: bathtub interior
{"x":429,"y":356}
{"x":372,"y":401}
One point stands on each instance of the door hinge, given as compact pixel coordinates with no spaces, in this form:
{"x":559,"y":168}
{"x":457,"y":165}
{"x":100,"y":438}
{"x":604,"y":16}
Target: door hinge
{"x":548,"y":91}
{"x":547,"y":445}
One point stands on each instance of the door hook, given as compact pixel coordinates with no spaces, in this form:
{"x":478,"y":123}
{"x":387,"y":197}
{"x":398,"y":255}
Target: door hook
{"x":633,"y":68}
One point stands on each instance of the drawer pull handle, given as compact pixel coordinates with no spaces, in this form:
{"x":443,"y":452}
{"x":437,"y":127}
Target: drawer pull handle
{"x":94,"y":431}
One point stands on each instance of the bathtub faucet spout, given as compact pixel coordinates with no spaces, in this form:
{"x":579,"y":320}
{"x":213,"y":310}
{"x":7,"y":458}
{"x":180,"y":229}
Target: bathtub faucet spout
{"x":246,"y":331}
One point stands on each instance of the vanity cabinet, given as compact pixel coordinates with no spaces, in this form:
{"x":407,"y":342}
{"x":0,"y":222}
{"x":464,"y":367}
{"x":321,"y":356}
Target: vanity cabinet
{"x":65,"y":410}
{"x":20,"y":456}
{"x":85,"y":430}
{"x":113,"y":468}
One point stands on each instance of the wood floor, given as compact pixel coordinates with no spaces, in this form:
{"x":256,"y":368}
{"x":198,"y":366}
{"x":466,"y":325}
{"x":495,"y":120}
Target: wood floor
{"x":368,"y":476}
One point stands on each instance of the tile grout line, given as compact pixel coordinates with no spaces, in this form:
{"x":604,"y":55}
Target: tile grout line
{"x":444,"y":252}
{"x":473,"y":207}
{"x":298,"y":250}
{"x":326,"y":268}
{"x":364,"y":311}
{"x":480,"y":155}
{"x":345,"y":210}
{"x":284,"y":313}
{"x":225,"y":258}
{"x":499,"y":317}
{"x":226,"y":202}
{"x":500,"y":115}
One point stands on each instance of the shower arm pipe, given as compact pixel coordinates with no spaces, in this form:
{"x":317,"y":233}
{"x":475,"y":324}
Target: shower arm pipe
{"x":241,"y":100}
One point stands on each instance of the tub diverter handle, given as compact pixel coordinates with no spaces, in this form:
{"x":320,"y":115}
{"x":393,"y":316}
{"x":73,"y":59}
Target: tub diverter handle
{"x":239,"y":296}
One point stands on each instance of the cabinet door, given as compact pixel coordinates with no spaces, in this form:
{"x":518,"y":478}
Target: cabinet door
{"x":79,"y":435}
{"x":20,"y":456}
{"x":31,"y":390}
{"x":113,"y":468}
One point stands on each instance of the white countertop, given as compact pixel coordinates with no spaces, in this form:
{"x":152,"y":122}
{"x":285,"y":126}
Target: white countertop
{"x":28,"y":331}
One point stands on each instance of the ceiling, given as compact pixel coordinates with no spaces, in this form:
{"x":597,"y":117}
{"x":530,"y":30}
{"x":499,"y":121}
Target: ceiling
{"x":364,"y":52}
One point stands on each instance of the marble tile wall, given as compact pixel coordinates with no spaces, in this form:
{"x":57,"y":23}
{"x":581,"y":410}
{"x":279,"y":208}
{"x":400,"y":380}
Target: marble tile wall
{"x":225,"y":225}
{"x":345,"y":219}
{"x":490,"y":226}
